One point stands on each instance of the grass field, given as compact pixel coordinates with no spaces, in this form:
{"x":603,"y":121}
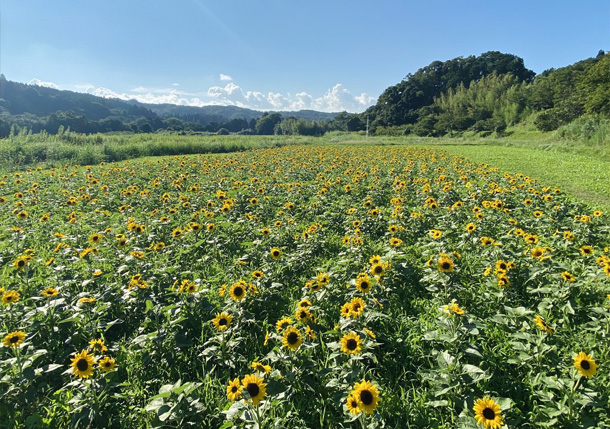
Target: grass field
{"x":585,"y":178}
{"x":302,"y":286}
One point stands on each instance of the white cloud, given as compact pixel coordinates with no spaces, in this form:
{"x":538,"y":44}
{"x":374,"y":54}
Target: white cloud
{"x":336,"y":99}
{"x":225,"y":77}
{"x":38,"y":82}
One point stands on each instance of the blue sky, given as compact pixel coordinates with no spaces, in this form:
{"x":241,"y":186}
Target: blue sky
{"x":327,"y":55}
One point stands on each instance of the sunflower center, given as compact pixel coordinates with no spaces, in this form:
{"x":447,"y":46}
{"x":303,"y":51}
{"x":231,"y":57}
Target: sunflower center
{"x":585,"y":365}
{"x":107,"y":364}
{"x":351,"y":344}
{"x":446,"y":265}
{"x":366,"y":397}
{"x":82,"y":365}
{"x":238,"y":291}
{"x":378,"y":270}
{"x":364,"y":285}
{"x":14,"y":339}
{"x":223,"y":322}
{"x":489,"y":414}
{"x":356,"y":307}
{"x":253,"y":389}
{"x":292,"y":338}
{"x":21,"y":263}
{"x":234,"y":389}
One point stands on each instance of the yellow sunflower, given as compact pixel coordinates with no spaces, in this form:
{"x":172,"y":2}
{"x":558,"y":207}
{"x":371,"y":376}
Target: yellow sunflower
{"x":275,"y":253}
{"x":234,"y":389}
{"x":222,"y":321}
{"x":14,"y":339}
{"x":363,"y":283}
{"x":352,"y":405}
{"x":283,"y":324}
{"x":585,"y":364}
{"x":107,"y":364}
{"x":82,"y":364}
{"x":292,"y":338}
{"x":366,"y":395}
{"x":253,"y":384}
{"x":238,"y":291}
{"x":445,"y":264}
{"x":10,"y":297}
{"x":543,"y":325}
{"x":356,"y":307}
{"x":49,"y":292}
{"x":351,"y":344}
{"x":98,"y":346}
{"x":488,"y":413}
{"x":257,"y":366}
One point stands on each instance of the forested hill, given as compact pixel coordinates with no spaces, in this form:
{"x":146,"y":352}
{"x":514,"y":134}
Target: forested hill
{"x":488,"y":93}
{"x":37,"y":108}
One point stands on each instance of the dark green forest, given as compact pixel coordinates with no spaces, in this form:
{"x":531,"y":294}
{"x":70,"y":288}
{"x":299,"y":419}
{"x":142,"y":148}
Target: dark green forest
{"x":482,"y":95}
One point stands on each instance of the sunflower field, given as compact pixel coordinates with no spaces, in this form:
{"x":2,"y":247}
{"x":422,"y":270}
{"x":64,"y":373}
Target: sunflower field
{"x":301,"y":287}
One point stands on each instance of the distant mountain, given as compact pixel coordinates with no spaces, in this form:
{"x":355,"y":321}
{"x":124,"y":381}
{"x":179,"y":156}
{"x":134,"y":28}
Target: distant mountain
{"x":29,"y":101}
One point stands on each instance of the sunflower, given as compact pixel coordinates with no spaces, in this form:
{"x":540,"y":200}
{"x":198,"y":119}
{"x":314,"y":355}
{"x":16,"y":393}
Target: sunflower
{"x":351,"y":344}
{"x":302,"y":315}
{"x":352,"y":405}
{"x":238,"y":291}
{"x":356,"y":307}
{"x":49,"y":292}
{"x":107,"y":364}
{"x":445,"y":264}
{"x":222,"y":321}
{"x":10,"y":297}
{"x":257,"y":366}
{"x":543,"y":325}
{"x":568,"y":277}
{"x":253,"y":384}
{"x":265,"y":231}
{"x":82,"y":364}
{"x":346,"y":310}
{"x":377,"y":269}
{"x":234,"y":389}
{"x":585,"y":364}
{"x":453,"y":308}
{"x":177,"y":233}
{"x":366,"y":395}
{"x":586,"y":250}
{"x":283,"y":324}
{"x":275,"y":253}
{"x":304,"y":303}
{"x":292,"y":338}
{"x":395,"y":242}
{"x":435,"y":234}
{"x":96,"y":238}
{"x":488,"y":413}
{"x":471,"y":227}
{"x":363,"y":283}
{"x":503,"y":280}
{"x":20,"y":263}
{"x":14,"y":339}
{"x":98,"y":346}
{"x":258,"y":274}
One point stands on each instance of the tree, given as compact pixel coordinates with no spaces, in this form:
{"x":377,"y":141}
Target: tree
{"x":266,"y":123}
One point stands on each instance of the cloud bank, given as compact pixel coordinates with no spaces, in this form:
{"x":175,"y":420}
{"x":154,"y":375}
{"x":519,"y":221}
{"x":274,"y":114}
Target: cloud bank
{"x":336,"y":99}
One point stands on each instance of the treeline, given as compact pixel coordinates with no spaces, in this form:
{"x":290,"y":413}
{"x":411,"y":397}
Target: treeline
{"x":489,"y":93}
{"x":60,"y":122}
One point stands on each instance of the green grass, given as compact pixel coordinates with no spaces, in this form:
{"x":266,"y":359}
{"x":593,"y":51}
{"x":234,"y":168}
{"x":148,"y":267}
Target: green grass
{"x":583,"y":177}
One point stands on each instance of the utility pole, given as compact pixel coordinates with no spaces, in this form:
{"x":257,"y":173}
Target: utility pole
{"x":367,"y":127}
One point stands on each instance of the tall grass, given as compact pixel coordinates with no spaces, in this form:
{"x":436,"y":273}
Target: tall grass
{"x":24,"y":150}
